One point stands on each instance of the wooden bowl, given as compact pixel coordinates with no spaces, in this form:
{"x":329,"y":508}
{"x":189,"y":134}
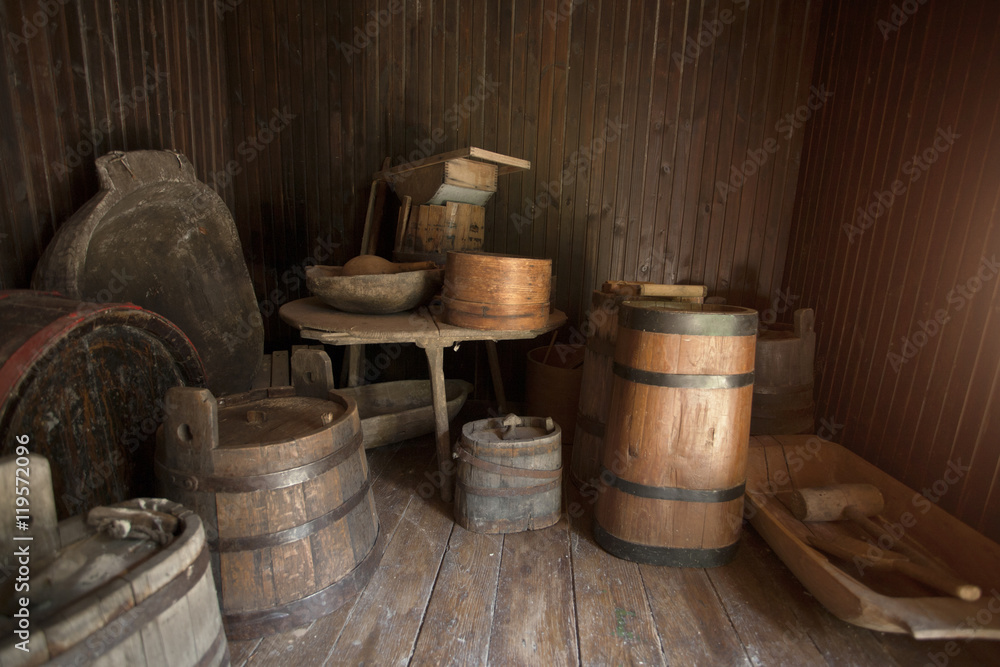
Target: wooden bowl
{"x":376,"y":294}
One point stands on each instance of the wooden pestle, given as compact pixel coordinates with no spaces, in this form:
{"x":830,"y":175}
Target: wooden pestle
{"x":828,"y":503}
{"x":367,"y":265}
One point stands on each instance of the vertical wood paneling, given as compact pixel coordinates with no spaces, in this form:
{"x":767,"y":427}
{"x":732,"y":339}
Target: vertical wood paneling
{"x":907,"y":354}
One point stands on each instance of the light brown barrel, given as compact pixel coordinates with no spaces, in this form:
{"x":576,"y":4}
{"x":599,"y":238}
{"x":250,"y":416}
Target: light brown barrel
{"x":499,"y":292}
{"x":509,"y":475}
{"x":675,"y":448}
{"x":783,"y":388}
{"x":601,"y":329}
{"x":552,"y":388}
{"x":282,"y":483}
{"x":109,"y":601}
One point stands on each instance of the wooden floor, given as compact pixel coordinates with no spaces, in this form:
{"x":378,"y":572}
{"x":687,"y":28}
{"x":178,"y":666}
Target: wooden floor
{"x":443,"y":595}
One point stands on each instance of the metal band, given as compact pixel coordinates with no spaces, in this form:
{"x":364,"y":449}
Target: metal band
{"x":293,"y":534}
{"x":686,"y":319}
{"x":508,"y":491}
{"x":681,"y":380}
{"x":671,"y":492}
{"x":670,"y":556}
{"x":253,"y":624}
{"x":590,"y":425}
{"x":468,"y":457}
{"x":124,"y":626}
{"x":217,"y":653}
{"x":265,"y":482}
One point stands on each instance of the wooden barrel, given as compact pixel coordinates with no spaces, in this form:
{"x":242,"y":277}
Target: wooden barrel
{"x":675,"y":449}
{"x":553,"y":387}
{"x":111,"y":601}
{"x":509,"y":475}
{"x":601,"y":329}
{"x":500,"y":292}
{"x":85,"y":382}
{"x":783,"y":388}
{"x":282,"y":483}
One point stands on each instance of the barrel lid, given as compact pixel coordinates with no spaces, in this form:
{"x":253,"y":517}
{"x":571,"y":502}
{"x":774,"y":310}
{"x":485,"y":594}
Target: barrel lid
{"x":260,"y":418}
{"x":689,"y":319}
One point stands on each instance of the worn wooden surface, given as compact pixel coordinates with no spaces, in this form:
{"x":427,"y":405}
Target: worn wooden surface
{"x":555,"y":595}
{"x":491,"y":291}
{"x":784,"y":366}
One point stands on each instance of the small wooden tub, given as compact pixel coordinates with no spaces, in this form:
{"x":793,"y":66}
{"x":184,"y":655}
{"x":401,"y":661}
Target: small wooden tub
{"x":500,"y":292}
{"x":553,"y":388}
{"x":675,"y":450}
{"x":783,"y":387}
{"x":109,"y":601}
{"x":509,"y":475}
{"x":282,"y":483}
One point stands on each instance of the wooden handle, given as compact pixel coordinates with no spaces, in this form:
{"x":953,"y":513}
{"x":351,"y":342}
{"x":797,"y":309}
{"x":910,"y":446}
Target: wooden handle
{"x":827,"y":503}
{"x":938,"y":580}
{"x":633,"y":288}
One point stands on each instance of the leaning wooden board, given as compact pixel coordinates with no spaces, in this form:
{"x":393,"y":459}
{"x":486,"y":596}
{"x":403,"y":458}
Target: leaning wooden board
{"x":875,"y":600}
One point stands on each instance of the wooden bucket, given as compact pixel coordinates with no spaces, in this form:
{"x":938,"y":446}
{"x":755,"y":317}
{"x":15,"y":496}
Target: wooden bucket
{"x":675,"y":449}
{"x":98,"y":599}
{"x":553,"y":387}
{"x":85,"y":382}
{"x":597,"y":379}
{"x":282,"y":483}
{"x":509,"y":475}
{"x":499,"y":292}
{"x":783,"y":388}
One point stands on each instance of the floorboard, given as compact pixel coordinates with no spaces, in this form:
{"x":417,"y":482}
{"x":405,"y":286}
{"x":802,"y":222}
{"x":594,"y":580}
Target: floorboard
{"x":446,"y":596}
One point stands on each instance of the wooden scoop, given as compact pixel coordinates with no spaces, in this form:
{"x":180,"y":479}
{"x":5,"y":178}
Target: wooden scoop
{"x":369,"y":265}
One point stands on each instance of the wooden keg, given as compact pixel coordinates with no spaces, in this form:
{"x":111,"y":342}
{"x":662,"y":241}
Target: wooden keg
{"x":509,"y":474}
{"x":500,"y":292}
{"x":675,"y":448}
{"x":601,"y":329}
{"x":85,"y":383}
{"x":282,"y":483}
{"x":136,"y":593}
{"x":552,"y":385}
{"x":783,"y":388}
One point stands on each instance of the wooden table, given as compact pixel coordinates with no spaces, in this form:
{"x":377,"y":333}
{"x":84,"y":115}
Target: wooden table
{"x":422,"y":327}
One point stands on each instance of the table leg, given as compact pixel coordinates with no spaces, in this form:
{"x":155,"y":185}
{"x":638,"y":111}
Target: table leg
{"x":350,"y":375}
{"x":435,"y":361}
{"x":491,"y":352}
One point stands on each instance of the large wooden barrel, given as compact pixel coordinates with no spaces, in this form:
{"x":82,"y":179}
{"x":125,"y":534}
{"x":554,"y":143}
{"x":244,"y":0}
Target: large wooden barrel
{"x":552,"y":388}
{"x":783,"y":388}
{"x":509,"y":475}
{"x":108,"y":600}
{"x":282,"y":483}
{"x":501,"y":292}
{"x":601,"y":329}
{"x":85,"y":382}
{"x":675,"y":448}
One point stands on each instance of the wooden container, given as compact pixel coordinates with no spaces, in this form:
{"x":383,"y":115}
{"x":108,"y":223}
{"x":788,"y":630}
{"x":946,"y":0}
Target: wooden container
{"x":97,"y":599}
{"x":509,"y":475}
{"x":675,"y":448}
{"x":434,"y":230}
{"x":597,"y":378}
{"x":783,"y":388}
{"x":500,"y":292}
{"x":553,"y":387}
{"x":282,"y":483}
{"x":85,"y":382}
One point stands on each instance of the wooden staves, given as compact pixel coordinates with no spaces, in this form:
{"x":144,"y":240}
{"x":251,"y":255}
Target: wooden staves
{"x":111,"y":601}
{"x":783,"y":387}
{"x":509,"y":475}
{"x":491,"y":291}
{"x":434,"y":230}
{"x":553,"y":387}
{"x":282,"y":483}
{"x":84,"y":382}
{"x":674,"y":464}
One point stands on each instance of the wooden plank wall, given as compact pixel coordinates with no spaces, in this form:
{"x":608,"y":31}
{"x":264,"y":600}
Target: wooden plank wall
{"x":906,"y":291}
{"x":85,"y":77}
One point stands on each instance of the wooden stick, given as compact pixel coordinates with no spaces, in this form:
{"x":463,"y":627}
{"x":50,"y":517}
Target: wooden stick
{"x":548,"y":351}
